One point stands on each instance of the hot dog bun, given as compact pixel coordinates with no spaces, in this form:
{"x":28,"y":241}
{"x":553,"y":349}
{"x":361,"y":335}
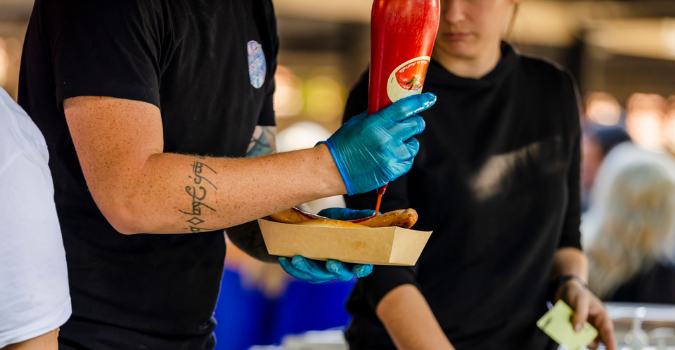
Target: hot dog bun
{"x":404,"y":218}
{"x":293,"y":216}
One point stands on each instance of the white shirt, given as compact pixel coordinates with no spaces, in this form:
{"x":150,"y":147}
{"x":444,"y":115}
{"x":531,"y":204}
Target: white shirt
{"x":34,"y":295}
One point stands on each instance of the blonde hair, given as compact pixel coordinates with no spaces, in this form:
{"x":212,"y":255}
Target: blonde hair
{"x":636,"y":228}
{"x":512,"y":22}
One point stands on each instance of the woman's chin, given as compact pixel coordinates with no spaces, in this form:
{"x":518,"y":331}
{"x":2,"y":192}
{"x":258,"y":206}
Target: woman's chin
{"x":460,"y":50}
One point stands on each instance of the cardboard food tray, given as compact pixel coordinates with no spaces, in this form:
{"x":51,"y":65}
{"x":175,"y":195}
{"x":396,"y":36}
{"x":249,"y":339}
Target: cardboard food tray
{"x":379,"y":246}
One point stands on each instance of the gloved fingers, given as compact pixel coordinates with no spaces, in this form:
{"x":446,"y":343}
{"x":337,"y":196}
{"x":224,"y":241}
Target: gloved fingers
{"x":409,"y":106}
{"x":345,"y":214}
{"x":359,"y":214}
{"x":332,"y":213}
{"x":361,"y":270}
{"x":413,"y":147}
{"x":406,"y":150}
{"x":312,"y":268}
{"x":339,"y":270}
{"x":287,"y":265}
{"x":407,"y":128}
{"x":357,"y":118}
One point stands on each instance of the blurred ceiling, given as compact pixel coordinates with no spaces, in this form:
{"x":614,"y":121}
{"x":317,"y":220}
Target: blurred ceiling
{"x":637,"y":27}
{"x":359,"y":10}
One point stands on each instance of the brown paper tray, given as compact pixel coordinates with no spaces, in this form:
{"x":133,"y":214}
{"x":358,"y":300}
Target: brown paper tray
{"x":379,"y":246}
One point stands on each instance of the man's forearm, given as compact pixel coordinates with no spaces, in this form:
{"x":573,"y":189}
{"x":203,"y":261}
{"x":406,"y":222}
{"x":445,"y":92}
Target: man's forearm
{"x":410,"y":322}
{"x":570,"y":261}
{"x":174,"y":193}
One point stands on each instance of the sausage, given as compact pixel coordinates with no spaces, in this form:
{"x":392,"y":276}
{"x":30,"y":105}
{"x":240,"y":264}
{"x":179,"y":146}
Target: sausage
{"x":404,"y":218}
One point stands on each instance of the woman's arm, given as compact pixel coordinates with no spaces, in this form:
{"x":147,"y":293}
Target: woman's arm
{"x":410,"y":321}
{"x":587,"y":307}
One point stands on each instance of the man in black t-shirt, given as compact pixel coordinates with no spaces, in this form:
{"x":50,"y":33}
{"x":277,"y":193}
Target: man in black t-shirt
{"x":145,"y":106}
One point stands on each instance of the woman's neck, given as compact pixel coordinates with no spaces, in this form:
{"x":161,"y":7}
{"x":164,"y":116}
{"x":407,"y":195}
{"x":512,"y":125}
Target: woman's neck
{"x":469,"y":67}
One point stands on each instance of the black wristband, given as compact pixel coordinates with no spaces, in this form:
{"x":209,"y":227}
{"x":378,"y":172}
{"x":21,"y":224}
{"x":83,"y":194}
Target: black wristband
{"x":556,"y":283}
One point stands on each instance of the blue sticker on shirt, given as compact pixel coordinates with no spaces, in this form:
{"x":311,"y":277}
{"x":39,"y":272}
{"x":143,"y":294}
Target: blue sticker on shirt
{"x":256,"y":63}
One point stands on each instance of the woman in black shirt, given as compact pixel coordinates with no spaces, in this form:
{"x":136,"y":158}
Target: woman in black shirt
{"x":497,"y":180}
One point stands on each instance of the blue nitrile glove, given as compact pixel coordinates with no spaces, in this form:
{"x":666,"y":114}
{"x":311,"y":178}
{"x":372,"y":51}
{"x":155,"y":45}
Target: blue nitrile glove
{"x":345,"y":214}
{"x":318,"y":271}
{"x":370,"y":151}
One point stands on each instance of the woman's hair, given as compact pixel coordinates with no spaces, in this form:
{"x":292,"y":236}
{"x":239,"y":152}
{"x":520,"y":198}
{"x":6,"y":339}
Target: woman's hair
{"x":635,"y":229}
{"x":512,"y":22}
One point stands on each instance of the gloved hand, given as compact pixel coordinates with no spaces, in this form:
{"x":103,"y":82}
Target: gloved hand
{"x":318,"y":271}
{"x":370,"y":151}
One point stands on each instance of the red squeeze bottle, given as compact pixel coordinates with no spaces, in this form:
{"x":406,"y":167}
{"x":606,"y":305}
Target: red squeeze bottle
{"x":402,"y":35}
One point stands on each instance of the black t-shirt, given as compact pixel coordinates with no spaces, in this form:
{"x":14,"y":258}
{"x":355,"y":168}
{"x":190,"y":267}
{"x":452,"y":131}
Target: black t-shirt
{"x":209,"y":66}
{"x":497,"y":180}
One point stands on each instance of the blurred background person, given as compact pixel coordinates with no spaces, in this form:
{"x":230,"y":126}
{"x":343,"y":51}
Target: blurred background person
{"x":632,"y":250}
{"x":645,"y":120}
{"x":597,"y":141}
{"x":669,"y":126}
{"x":34,"y":295}
{"x":602,"y":109}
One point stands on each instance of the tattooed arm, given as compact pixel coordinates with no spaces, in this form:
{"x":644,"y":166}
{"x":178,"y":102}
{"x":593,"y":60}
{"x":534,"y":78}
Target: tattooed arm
{"x":141,"y":189}
{"x":248,"y":237}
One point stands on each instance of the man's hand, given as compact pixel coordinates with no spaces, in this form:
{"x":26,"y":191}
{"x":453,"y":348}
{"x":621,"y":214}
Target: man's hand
{"x":317,"y":271}
{"x":587,"y":307}
{"x":372,"y":150}
{"x":314,"y":271}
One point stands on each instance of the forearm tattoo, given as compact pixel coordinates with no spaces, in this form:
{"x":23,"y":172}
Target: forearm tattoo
{"x":198,"y":190}
{"x":263,"y":141}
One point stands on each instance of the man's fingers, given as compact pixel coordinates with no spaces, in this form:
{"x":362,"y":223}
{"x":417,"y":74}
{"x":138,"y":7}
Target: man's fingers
{"x":594,"y":344}
{"x":407,"y":150}
{"x":409,"y":106}
{"x":357,"y":118}
{"x":357,"y":214}
{"x":362,"y":270}
{"x":291,"y":270}
{"x":408,"y":128}
{"x":581,"y":306}
{"x":311,"y":268}
{"x":346,"y":214}
{"x":339,"y":270}
{"x":413,"y":147}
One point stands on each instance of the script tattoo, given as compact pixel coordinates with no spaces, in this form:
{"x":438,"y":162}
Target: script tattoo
{"x":197,"y":190}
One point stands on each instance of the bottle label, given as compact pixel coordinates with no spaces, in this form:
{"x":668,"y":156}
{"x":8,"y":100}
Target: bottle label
{"x":408,"y":78}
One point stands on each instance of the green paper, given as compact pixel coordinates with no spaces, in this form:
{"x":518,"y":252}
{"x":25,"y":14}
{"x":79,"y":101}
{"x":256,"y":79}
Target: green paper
{"x":557,"y":323}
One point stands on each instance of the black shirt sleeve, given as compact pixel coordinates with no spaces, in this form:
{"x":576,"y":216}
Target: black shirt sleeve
{"x":384,"y":278}
{"x":104,"y":48}
{"x":571,"y":234}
